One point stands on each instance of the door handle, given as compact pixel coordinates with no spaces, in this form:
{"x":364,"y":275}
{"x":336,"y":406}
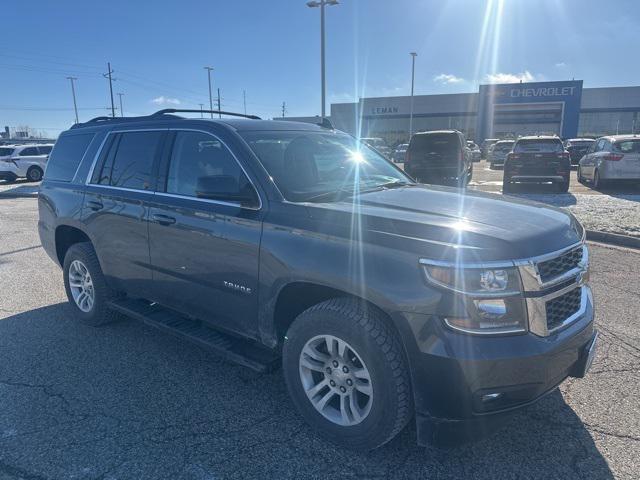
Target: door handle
{"x":94,"y":205}
{"x":163,"y":219}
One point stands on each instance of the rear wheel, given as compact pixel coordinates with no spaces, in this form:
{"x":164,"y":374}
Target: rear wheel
{"x":562,"y":187}
{"x":507,"y":186}
{"x":579,"y":174}
{"x":85,"y":285}
{"x":597,"y":181}
{"x":346,"y":373}
{"x":34,"y":174}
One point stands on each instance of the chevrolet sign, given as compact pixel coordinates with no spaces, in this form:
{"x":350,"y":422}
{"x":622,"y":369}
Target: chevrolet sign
{"x":542,"y":92}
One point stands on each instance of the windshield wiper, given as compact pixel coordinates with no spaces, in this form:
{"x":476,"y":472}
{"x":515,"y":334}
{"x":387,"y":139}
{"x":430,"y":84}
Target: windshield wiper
{"x":330,"y":194}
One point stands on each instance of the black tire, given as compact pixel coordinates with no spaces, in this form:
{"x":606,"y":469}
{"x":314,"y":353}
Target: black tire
{"x":579,"y":175}
{"x":598,"y":183}
{"x":562,"y":187}
{"x":365,"y":329}
{"x":507,"y":187}
{"x":100,"y":312}
{"x":34,"y":174}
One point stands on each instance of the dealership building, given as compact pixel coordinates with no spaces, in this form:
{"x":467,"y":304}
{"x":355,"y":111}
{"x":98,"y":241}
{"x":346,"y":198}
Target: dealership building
{"x":564,"y":108}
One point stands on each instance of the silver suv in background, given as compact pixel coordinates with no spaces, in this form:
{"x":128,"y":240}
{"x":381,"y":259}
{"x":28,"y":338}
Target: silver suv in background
{"x":399,"y":153}
{"x":23,"y":161}
{"x":476,"y":154}
{"x":498,"y":154}
{"x":613,"y":158}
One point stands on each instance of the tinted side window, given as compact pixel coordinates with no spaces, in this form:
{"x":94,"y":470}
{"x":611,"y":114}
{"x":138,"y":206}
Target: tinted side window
{"x":197,"y":154}
{"x":130,"y":160}
{"x":45,"y":150}
{"x":66,"y":156}
{"x":29,"y":151}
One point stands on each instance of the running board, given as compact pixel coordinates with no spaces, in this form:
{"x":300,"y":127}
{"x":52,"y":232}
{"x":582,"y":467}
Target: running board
{"x":234,"y":349}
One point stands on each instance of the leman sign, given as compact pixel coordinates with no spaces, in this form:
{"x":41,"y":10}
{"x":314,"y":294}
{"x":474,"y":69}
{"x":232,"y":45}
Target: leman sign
{"x":383,"y":110}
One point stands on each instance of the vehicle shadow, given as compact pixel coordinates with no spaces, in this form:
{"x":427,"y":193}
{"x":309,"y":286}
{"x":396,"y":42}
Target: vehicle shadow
{"x":543,"y":193}
{"x":127,"y":401}
{"x":19,"y":188}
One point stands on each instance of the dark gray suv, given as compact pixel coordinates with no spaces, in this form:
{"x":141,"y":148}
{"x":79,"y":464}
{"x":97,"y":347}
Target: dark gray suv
{"x":282,"y":243}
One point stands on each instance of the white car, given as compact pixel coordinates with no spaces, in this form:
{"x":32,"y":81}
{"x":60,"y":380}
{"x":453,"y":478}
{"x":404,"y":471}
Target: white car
{"x":23,"y":161}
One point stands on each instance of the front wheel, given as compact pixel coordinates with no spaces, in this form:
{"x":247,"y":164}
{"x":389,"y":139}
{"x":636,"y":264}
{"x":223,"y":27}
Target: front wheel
{"x":563,"y":187}
{"x":507,"y":187}
{"x":346,"y":373}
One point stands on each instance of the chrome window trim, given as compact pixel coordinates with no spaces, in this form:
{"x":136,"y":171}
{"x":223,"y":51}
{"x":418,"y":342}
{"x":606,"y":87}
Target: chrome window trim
{"x":104,"y":140}
{"x":166,"y":194}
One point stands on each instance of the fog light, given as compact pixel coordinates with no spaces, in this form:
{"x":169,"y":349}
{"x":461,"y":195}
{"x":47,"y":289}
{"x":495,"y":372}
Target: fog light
{"x":491,"y":309}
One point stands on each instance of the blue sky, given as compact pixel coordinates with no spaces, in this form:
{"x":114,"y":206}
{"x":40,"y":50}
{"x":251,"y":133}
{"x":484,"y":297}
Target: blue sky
{"x":270,"y":48}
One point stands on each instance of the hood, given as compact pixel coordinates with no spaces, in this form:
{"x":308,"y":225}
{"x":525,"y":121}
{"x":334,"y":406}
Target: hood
{"x":445,"y":223}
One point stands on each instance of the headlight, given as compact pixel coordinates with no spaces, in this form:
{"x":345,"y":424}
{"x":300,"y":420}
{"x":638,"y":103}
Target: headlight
{"x":485,"y":300}
{"x":476,"y":281}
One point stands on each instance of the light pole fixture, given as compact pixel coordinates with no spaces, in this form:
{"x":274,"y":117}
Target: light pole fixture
{"x":413,"y":75}
{"x":208,"y":69}
{"x":322,"y":4}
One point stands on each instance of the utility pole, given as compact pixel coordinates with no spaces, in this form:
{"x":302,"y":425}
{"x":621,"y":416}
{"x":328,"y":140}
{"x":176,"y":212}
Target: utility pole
{"x":208,"y":69}
{"x":322,"y":4}
{"x":284,"y":108}
{"x":244,"y":100}
{"x":121,"y":110}
{"x":201,"y":114}
{"x":108,"y":75}
{"x":413,"y":74}
{"x":219,"y":115}
{"x":73,"y":92}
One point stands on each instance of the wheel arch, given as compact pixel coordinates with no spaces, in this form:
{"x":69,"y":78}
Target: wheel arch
{"x":65,"y":237}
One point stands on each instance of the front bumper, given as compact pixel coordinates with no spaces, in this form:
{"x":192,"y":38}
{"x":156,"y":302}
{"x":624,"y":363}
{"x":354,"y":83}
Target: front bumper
{"x":464,"y":384}
{"x":8,"y":171}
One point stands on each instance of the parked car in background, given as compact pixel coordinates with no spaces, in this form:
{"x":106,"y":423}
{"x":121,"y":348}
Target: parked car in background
{"x":486,"y":143}
{"x":273,"y":242}
{"x":577,"y":148}
{"x":498,"y":152}
{"x":613,"y":158}
{"x":439,"y":157}
{"x":537,"y":159}
{"x":476,"y":154}
{"x":379,"y":144}
{"x":24,"y":161}
{"x":399,"y":153}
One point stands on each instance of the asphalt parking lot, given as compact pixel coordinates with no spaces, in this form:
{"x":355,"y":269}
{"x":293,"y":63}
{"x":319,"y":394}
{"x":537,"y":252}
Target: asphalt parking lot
{"x":126,"y":401}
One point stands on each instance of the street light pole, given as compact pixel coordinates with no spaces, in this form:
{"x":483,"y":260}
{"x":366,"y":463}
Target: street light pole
{"x":73,"y":92}
{"x":121,"y":110}
{"x":201,"y":114}
{"x":413,"y":74}
{"x":321,"y":4}
{"x":208,"y":69}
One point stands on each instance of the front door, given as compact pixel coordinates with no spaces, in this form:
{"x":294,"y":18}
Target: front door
{"x":204,"y":252}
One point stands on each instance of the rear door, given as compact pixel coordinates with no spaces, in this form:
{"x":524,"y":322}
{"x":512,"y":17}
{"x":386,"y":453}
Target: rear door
{"x":116,"y":206}
{"x":205,"y":252}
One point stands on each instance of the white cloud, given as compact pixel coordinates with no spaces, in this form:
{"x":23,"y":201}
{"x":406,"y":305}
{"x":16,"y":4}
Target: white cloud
{"x":162,"y":100}
{"x":561,"y":65}
{"x":525,"y":76}
{"x":447,"y":78}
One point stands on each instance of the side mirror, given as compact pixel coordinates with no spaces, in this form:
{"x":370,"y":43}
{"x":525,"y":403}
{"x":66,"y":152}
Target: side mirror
{"x":224,"y":188}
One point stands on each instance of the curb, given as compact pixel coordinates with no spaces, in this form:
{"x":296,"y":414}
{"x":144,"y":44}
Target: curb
{"x":614,"y":239}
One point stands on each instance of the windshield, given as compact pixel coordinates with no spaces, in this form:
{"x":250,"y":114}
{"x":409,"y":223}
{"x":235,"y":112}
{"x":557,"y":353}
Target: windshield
{"x":310,"y":166}
{"x":5,"y":152}
{"x":524,"y":146}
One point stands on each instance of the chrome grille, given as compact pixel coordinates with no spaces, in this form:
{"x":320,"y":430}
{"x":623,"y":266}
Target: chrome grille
{"x":561,"y":308}
{"x":555,"y":267}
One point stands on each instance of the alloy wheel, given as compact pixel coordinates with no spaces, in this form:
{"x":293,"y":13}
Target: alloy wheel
{"x":81,"y":286}
{"x":336,"y":380}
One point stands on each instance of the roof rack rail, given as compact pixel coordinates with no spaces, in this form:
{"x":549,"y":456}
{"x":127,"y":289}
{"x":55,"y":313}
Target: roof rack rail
{"x":220,"y":112}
